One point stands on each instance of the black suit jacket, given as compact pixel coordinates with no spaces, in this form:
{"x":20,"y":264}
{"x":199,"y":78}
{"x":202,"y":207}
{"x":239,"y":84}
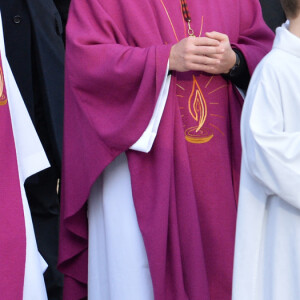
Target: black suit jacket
{"x":35,"y":50}
{"x":273,"y":13}
{"x":63,"y":8}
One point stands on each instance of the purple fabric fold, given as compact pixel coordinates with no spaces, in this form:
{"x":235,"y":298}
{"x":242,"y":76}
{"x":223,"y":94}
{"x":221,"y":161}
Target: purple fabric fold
{"x":166,"y":208}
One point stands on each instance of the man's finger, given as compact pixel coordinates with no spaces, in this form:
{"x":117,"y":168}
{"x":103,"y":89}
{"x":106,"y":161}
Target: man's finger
{"x":204,"y":60}
{"x":208,"y":50}
{"x":205,"y":41}
{"x":216,"y":35}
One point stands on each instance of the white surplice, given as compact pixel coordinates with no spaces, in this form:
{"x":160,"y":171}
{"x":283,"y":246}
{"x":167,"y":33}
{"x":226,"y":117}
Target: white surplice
{"x":117,"y":261}
{"x":31,"y":159}
{"x":267,"y":251}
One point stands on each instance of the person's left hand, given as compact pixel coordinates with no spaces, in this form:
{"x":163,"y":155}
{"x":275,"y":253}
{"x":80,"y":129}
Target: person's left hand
{"x":227,"y":58}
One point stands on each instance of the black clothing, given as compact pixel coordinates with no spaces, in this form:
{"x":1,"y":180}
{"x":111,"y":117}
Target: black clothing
{"x":44,"y":206}
{"x":63,"y":8}
{"x":241,"y":76}
{"x":35,"y":51}
{"x":273,"y":13}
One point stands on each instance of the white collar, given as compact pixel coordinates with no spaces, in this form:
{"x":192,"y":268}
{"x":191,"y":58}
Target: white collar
{"x":287,"y":41}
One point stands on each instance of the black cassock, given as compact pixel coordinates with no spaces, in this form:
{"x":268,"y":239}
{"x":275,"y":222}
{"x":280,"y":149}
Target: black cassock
{"x":33,"y":33}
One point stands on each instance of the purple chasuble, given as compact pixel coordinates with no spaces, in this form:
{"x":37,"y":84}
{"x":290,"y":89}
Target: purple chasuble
{"x":12,"y":229}
{"x":185,"y":189}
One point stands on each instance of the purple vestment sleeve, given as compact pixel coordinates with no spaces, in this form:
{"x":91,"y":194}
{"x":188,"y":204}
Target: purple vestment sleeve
{"x":111,"y":91}
{"x":253,"y":38}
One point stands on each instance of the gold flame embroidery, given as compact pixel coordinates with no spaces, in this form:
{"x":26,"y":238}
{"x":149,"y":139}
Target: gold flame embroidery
{"x":3,"y":98}
{"x":198,"y":110}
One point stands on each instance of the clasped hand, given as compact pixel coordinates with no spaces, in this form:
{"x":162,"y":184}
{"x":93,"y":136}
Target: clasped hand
{"x":211,"y":54}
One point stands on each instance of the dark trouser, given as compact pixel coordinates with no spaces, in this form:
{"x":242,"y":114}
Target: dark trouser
{"x":44,"y":205}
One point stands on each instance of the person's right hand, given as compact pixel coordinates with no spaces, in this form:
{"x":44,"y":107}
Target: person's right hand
{"x":192,"y":54}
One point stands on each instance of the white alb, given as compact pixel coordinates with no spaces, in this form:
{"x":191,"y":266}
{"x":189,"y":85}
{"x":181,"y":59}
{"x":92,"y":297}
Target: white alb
{"x":267,"y":252}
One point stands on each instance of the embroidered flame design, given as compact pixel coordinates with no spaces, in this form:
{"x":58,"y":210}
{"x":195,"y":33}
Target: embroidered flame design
{"x":198,"y":110}
{"x":197,"y":105}
{"x":3,"y":99}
